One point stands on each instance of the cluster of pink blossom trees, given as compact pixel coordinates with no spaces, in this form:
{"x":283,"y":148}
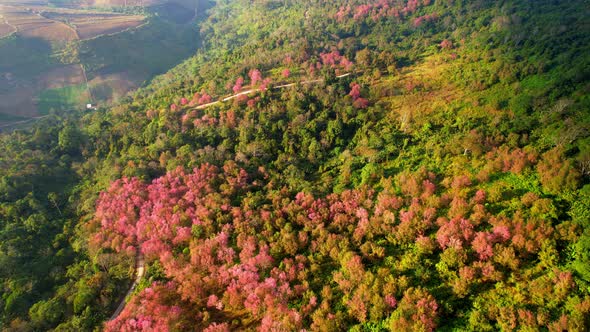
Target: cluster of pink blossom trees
{"x":156,"y":308}
{"x":335,"y":60}
{"x":291,"y":262}
{"x":198,"y":98}
{"x":238,"y":85}
{"x":355,"y":93}
{"x":380,"y":9}
{"x":425,"y":18}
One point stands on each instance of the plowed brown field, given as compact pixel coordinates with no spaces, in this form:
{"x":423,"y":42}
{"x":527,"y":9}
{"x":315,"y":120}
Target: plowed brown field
{"x":90,"y":25}
{"x":32,"y":25}
{"x":61,"y":77}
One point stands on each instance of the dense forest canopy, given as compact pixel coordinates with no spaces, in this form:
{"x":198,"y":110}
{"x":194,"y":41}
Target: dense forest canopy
{"x":395,"y":166}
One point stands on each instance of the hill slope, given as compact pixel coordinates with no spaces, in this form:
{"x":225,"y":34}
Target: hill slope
{"x":428,"y":169}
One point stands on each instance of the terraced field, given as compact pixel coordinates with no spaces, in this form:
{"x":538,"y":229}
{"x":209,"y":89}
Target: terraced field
{"x":30,"y":24}
{"x":91,"y":25}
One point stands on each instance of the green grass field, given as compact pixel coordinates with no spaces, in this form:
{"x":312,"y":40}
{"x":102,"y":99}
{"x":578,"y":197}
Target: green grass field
{"x":71,"y":97}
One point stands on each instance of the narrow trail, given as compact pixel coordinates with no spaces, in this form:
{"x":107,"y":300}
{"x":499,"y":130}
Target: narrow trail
{"x":8,"y":125}
{"x":139,"y":271}
{"x":200,"y":107}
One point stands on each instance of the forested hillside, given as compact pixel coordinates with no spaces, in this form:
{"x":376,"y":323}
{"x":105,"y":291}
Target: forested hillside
{"x":376,"y":166}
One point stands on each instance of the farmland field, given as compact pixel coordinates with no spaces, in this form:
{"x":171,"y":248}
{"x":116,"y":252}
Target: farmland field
{"x":90,"y":25}
{"x":70,"y":97}
{"x":111,"y":87}
{"x":21,"y":62}
{"x":31,"y":25}
{"x":115,"y":62}
{"x":6,"y":118}
{"x":24,"y":2}
{"x":174,"y":13}
{"x":62,"y":58}
{"x":90,"y":28}
{"x":23,"y":59}
{"x":60,"y":77}
{"x":5,"y":28}
{"x":18,"y":102}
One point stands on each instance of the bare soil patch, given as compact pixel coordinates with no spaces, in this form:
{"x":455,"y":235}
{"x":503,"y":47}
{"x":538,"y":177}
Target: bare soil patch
{"x":31,"y":25}
{"x":18,"y":102}
{"x":92,"y":28}
{"x":61,"y":77}
{"x":90,"y":25}
{"x":112,"y":87}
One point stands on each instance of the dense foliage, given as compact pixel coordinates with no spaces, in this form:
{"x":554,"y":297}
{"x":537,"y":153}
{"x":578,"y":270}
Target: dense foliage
{"x":429,"y":169}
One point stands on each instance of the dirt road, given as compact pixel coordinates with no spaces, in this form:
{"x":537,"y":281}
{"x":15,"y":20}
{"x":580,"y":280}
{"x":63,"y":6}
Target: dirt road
{"x":139,"y":271}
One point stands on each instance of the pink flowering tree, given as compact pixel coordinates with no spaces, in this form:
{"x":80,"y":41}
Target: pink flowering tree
{"x":417,"y":311}
{"x":238,"y":85}
{"x":205,"y":98}
{"x":255,"y":76}
{"x":117,"y":215}
{"x":153,"y":309}
{"x":446,"y":44}
{"x":286,"y":73}
{"x":355,"y":93}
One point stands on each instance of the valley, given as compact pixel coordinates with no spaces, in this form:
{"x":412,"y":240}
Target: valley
{"x":55,"y":59}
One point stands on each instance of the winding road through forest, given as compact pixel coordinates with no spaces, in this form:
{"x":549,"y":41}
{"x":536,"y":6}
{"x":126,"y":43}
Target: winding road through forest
{"x":139,"y":272}
{"x":140,"y":261}
{"x":200,"y":107}
{"x":12,"y":124}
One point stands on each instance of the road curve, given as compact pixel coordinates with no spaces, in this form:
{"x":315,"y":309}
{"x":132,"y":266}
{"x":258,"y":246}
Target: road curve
{"x":139,"y":271}
{"x":200,"y":107}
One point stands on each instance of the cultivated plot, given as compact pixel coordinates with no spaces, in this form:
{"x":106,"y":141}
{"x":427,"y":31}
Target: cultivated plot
{"x":112,"y":87}
{"x":91,"y":25}
{"x":63,"y":58}
{"x":5,"y":28}
{"x":30,"y":24}
{"x":61,"y":77}
{"x":18,"y":102}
